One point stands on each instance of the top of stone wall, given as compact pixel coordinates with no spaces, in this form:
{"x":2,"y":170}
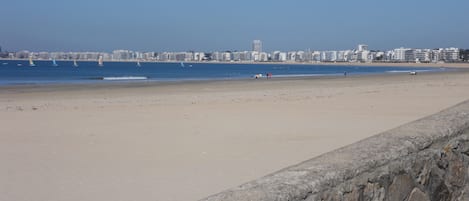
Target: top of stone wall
{"x":299,"y":181}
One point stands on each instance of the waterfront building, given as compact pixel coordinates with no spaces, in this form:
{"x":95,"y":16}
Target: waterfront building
{"x":422,"y":55}
{"x":348,"y":55}
{"x":257,"y":46}
{"x":263,"y":56}
{"x":282,"y":56}
{"x":300,"y":56}
{"x":340,"y":55}
{"x":122,"y":55}
{"x":236,"y":56}
{"x":254,"y":56}
{"x":226,"y":56}
{"x":44,"y":55}
{"x":329,"y":56}
{"x":216,"y":56}
{"x":315,"y":56}
{"x":181,"y":56}
{"x":138,"y":55}
{"x":241,"y":56}
{"x":291,"y":56}
{"x":198,"y":56}
{"x":402,"y":54}
{"x":308,"y":56}
{"x":362,"y":47}
{"x":451,"y":54}
{"x":380,"y":56}
{"x":278,"y":56}
{"x":22,"y":54}
{"x":362,"y":56}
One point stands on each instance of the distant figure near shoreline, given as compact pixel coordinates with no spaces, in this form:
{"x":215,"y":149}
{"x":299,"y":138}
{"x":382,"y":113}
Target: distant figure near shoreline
{"x":345,"y":73}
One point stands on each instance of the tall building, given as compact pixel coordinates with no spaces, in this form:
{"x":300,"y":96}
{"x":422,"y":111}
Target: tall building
{"x":362,"y":47}
{"x":257,"y":46}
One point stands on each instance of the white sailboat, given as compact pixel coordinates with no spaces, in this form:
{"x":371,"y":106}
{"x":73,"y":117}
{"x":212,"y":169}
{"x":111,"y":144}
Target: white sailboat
{"x":100,"y":61}
{"x":75,"y":64}
{"x":54,"y":63}
{"x":31,"y":62}
{"x":182,"y":64}
{"x":138,"y":64}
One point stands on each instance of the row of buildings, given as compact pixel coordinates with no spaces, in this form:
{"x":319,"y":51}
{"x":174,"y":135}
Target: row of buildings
{"x":360,"y":54}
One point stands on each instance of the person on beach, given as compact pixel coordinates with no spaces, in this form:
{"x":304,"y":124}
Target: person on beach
{"x":345,"y":73}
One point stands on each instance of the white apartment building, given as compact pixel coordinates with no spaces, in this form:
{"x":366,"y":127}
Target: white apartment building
{"x":257,"y":46}
{"x":403,"y":54}
{"x":329,"y":56}
{"x":362,"y":47}
{"x":451,"y":54}
{"x":316,"y":56}
{"x":422,"y":55}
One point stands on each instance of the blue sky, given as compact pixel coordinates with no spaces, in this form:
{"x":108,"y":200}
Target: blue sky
{"x":210,"y":25}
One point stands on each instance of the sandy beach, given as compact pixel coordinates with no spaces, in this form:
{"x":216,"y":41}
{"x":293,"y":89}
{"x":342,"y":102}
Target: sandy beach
{"x":188,"y":140}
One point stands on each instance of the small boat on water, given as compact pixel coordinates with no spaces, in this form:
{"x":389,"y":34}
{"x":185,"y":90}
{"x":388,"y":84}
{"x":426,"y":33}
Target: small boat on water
{"x":54,"y":63}
{"x":100,"y":61}
{"x":19,"y":64}
{"x":75,"y":64}
{"x":138,"y":64}
{"x":5,"y":64}
{"x":31,"y":62}
{"x":182,"y":64}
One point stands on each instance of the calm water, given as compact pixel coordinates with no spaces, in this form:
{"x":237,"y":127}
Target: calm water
{"x":19,"y":72}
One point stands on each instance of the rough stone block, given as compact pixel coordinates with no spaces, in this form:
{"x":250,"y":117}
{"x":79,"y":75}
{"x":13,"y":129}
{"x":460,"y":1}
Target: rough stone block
{"x":418,"y":195}
{"x":373,"y":192}
{"x":456,"y":171}
{"x":400,"y":188}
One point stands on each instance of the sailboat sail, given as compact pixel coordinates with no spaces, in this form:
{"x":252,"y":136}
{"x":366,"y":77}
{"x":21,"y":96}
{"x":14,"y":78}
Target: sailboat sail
{"x":100,"y":61}
{"x":182,"y":64}
{"x":138,"y":64}
{"x":75,"y":63}
{"x":54,"y":63}
{"x":31,"y":62}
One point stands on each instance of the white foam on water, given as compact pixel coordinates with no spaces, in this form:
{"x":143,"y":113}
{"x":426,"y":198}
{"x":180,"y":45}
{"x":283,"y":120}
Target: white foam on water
{"x":125,"y":78}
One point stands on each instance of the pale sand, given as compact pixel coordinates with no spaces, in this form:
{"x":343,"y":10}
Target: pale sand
{"x":185,"y":141}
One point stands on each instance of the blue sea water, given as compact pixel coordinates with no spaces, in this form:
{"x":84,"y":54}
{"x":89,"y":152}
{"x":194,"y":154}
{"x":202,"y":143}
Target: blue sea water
{"x":19,"y":72}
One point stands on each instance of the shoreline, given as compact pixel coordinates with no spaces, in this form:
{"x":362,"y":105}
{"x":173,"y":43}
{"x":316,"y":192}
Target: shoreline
{"x":152,"y":83}
{"x":150,"y":80}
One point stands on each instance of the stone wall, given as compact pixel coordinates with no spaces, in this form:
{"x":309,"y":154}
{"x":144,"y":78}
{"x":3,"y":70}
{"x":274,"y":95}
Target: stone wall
{"x":425,"y":160}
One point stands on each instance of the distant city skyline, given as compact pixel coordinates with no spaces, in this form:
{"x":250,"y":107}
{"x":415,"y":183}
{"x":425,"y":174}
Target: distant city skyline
{"x":360,"y":54}
{"x":211,"y":25}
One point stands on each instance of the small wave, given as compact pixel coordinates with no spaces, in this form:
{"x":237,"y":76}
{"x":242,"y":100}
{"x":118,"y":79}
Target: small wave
{"x":125,"y":78}
{"x":407,"y":71}
{"x":307,"y":75}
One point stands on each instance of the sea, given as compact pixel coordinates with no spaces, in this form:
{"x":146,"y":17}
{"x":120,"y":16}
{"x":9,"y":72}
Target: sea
{"x":18,"y":72}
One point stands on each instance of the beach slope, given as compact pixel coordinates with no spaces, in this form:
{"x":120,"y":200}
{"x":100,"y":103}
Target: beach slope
{"x":185,"y":141}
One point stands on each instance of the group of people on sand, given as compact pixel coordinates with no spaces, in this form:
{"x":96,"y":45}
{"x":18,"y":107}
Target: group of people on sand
{"x":267,"y":75}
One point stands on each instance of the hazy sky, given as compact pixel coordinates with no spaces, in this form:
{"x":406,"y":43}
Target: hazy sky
{"x":209,"y":25}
